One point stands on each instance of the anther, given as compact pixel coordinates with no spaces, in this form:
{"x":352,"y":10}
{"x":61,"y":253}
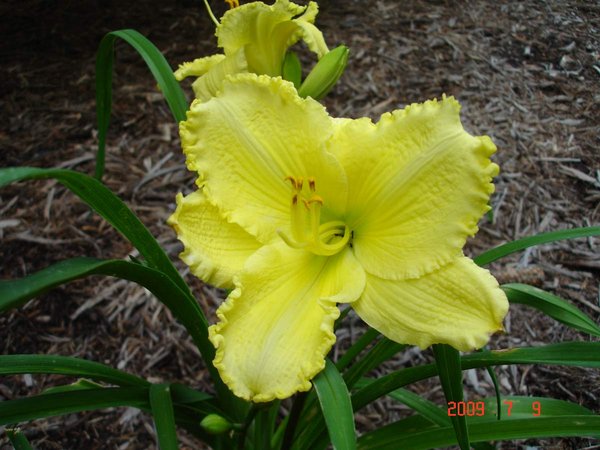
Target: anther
{"x":296,"y":182}
{"x":313,"y":199}
{"x":312,"y":184}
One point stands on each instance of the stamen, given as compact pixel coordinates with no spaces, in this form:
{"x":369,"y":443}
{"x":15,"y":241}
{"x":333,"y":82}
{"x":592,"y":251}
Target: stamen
{"x":307,"y":231}
{"x":297,"y":182}
{"x":291,"y":242}
{"x":232,"y":3}
{"x":298,"y":215}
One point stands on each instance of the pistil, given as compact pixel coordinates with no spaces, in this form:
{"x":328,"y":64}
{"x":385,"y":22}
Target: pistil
{"x":307,"y":231}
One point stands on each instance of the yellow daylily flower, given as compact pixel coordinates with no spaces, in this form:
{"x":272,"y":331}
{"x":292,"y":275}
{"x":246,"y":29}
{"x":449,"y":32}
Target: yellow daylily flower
{"x":254,"y":38}
{"x":299,"y":211}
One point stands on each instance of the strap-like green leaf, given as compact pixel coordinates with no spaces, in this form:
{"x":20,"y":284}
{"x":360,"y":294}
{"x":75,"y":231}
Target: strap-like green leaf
{"x":157,"y":64}
{"x":65,"y":365}
{"x":427,"y":409}
{"x":550,"y":304}
{"x":523,"y":407}
{"x":112,"y":208}
{"x":48,"y":405}
{"x":18,"y":439}
{"x":530,"y":417}
{"x":164,"y":417}
{"x":336,"y":406}
{"x":264,"y":425}
{"x":381,"y":352}
{"x":16,"y":292}
{"x":369,"y":336}
{"x":583,"y":354}
{"x":543,"y":238}
{"x":447,"y":361}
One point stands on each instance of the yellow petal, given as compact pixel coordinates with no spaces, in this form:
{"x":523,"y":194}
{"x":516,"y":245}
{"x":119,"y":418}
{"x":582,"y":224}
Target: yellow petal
{"x":197,"y":67}
{"x":245,"y":141}
{"x":214,"y":249}
{"x":277,"y":325}
{"x":310,"y":33}
{"x":265,"y":32}
{"x":459,"y":304}
{"x":207,"y":86}
{"x":418,"y":184}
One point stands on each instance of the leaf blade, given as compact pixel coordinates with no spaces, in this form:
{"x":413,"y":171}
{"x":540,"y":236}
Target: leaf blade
{"x":530,"y":241}
{"x":160,"y":69}
{"x":336,"y":406}
{"x":447,"y":361}
{"x":66,"y":365}
{"x":551,"y":305}
{"x":164,"y":416}
{"x":48,"y":405}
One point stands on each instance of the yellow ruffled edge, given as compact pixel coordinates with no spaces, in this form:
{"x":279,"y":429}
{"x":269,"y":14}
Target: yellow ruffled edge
{"x":281,"y":88}
{"x":200,"y":266}
{"x":200,"y":261}
{"x":489,"y":170}
{"x":233,"y":18}
{"x":197,"y":67}
{"x":308,"y":370}
{"x":413,"y":334}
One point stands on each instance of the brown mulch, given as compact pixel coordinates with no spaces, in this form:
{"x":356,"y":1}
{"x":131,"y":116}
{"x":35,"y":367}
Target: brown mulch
{"x":527,"y":73}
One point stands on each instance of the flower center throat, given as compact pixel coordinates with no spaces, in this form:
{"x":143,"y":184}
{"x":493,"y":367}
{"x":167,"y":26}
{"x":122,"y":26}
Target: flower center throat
{"x":306,"y":228}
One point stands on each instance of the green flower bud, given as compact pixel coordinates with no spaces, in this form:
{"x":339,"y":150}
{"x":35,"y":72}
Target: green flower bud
{"x":215,"y":424}
{"x":325,"y":74}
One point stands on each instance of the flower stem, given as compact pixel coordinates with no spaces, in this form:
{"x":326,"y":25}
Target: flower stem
{"x":290,"y":429}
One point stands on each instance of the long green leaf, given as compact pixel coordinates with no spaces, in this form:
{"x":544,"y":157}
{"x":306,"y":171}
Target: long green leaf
{"x":66,"y":365}
{"x":164,"y":417}
{"x":551,"y":305}
{"x":447,"y":361}
{"x":538,"y":427}
{"x":158,"y":65}
{"x":425,"y":408}
{"x":18,"y":439}
{"x":583,"y":354}
{"x":336,"y":406}
{"x":14,"y":293}
{"x":543,"y":238}
{"x":48,"y":405}
{"x":529,"y":417}
{"x":381,"y":352}
{"x":112,"y":208}
{"x":523,"y":407}
{"x":369,"y":336}
{"x":80,"y":385}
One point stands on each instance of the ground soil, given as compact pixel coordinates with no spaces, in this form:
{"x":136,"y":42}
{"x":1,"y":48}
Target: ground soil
{"x":526,"y":72}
